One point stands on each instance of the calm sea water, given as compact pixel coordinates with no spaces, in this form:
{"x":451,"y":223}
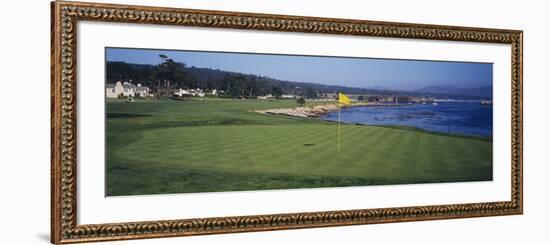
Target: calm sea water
{"x":467,"y":118}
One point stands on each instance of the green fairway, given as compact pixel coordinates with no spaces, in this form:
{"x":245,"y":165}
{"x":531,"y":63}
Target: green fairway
{"x":165,"y":146}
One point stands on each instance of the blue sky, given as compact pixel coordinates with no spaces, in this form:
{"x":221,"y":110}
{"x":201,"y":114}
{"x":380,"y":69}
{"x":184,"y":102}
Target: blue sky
{"x":356,"y":72}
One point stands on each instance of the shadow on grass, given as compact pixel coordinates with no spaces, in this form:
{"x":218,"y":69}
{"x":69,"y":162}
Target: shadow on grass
{"x":138,"y":180}
{"x":125,"y":115}
{"x":415,"y":129}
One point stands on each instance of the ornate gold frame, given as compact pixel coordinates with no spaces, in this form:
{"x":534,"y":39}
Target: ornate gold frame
{"x":65,"y":15}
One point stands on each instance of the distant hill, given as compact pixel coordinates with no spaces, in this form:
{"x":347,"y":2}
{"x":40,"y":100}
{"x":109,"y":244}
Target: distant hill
{"x":378,"y":87}
{"x":484,"y":91}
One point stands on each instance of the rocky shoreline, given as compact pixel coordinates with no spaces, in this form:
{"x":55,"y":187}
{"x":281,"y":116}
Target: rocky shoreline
{"x":310,"y":111}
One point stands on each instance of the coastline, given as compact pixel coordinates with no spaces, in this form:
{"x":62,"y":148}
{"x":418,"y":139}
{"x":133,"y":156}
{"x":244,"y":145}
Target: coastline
{"x":316,"y":110}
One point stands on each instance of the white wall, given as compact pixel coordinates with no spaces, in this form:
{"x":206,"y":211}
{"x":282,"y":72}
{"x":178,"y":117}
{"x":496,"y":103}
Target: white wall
{"x":24,"y":179}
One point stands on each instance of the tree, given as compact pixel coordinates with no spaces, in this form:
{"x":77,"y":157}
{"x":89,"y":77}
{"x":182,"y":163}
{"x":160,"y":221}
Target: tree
{"x":149,"y":76}
{"x":170,"y":71}
{"x":237,"y":85}
{"x":277,"y":92}
{"x":301,"y":101}
{"x":252,"y":87}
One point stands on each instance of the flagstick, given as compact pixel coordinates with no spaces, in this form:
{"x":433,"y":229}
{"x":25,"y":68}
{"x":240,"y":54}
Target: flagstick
{"x":338,"y":128}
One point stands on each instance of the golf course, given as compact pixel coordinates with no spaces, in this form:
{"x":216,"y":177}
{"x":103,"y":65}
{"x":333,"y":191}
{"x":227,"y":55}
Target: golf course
{"x":156,"y":146}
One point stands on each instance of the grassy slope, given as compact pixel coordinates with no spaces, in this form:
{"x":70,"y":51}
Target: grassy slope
{"x":220,"y":145}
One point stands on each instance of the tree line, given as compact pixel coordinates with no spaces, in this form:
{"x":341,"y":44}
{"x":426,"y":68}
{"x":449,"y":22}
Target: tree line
{"x":170,"y":74}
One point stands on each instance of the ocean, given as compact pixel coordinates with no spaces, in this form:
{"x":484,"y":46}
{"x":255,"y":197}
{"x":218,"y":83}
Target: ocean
{"x":455,"y":117}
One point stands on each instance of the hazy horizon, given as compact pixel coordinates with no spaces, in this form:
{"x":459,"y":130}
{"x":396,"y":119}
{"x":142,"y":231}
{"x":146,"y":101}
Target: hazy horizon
{"x":343,"y":71}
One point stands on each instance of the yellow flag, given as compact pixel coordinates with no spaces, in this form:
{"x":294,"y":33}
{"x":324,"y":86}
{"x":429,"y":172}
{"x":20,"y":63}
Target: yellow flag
{"x":343,"y":99}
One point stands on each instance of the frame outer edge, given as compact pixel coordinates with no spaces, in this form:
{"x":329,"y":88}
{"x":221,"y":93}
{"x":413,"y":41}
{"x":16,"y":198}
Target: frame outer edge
{"x":56,"y":208}
{"x":65,"y":229}
{"x":520,"y":165}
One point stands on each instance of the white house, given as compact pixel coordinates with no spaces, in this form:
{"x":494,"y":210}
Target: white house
{"x":141,"y":91}
{"x":198,"y":92}
{"x":288,"y":96}
{"x":215,"y":92}
{"x":191,"y":92}
{"x":125,"y":89}
{"x":112,"y":90}
{"x":182,"y":92}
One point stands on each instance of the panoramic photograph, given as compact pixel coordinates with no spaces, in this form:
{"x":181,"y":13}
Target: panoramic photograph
{"x":184,"y":121}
